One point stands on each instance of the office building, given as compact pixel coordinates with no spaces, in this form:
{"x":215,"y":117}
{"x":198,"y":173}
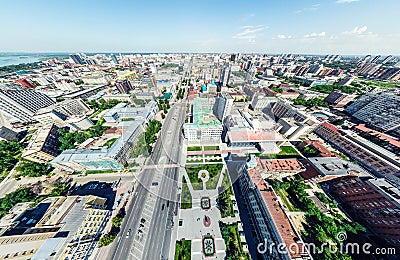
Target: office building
{"x":62,"y":112}
{"x":124,"y":86}
{"x":57,"y":228}
{"x":205,"y":126}
{"x":114,"y":58}
{"x":338,"y":99}
{"x":7,"y":134}
{"x":77,"y":59}
{"x":43,"y":146}
{"x":103,"y":158}
{"x":369,"y":160}
{"x":379,"y":111}
{"x":374,"y":203}
{"x":268,"y":219}
{"x":222,"y":106}
{"x":122,"y":112}
{"x":22,"y":104}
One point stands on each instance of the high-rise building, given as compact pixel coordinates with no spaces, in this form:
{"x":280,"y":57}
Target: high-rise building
{"x":376,"y":59}
{"x":22,"y":104}
{"x":205,"y":126}
{"x":124,"y":86}
{"x":114,"y":58}
{"x":222,"y":106}
{"x":77,"y":58}
{"x":225,"y":75}
{"x":43,"y":146}
{"x":387,"y":59}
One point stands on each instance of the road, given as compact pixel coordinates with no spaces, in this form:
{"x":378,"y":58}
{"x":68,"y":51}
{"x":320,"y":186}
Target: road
{"x":154,"y":203}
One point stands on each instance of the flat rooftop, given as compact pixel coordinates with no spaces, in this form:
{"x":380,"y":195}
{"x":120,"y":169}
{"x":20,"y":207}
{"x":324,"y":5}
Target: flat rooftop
{"x":280,"y":164}
{"x":249,"y":135}
{"x":335,"y":166}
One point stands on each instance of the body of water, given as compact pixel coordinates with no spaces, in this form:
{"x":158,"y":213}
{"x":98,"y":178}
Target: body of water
{"x":19,"y":58}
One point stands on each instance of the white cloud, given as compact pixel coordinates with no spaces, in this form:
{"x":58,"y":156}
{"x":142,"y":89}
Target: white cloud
{"x":249,"y":32}
{"x":283,"y":36}
{"x":357,"y":30}
{"x":315,"y":35}
{"x":314,"y":7}
{"x":346,"y":1}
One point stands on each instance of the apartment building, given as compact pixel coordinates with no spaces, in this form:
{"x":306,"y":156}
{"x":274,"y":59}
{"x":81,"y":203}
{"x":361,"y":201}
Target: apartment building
{"x":43,"y":146}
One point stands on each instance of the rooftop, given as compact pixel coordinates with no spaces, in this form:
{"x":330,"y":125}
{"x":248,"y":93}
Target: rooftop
{"x":248,"y":135}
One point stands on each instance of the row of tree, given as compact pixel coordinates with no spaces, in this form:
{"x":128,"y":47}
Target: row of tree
{"x":310,"y":103}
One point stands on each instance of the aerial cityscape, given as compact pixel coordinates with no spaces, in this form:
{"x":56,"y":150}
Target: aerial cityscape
{"x":210,"y":130}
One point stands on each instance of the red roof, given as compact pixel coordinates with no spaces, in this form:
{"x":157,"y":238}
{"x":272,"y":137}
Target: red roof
{"x":330,"y":126}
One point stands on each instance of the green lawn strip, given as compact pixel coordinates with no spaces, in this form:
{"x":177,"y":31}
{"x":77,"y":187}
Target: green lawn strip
{"x":186,"y":197}
{"x":110,"y":142}
{"x":211,"y":184}
{"x":99,"y":171}
{"x":284,"y":197}
{"x":211,"y":148}
{"x":194,"y":148}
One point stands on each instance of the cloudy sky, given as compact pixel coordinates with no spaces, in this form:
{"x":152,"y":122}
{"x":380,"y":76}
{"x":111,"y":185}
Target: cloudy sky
{"x":268,"y":26}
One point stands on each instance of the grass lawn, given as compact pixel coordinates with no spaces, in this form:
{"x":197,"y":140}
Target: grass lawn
{"x":183,"y":250}
{"x":110,"y":142}
{"x":287,"y":152}
{"x":211,"y":184}
{"x":99,"y":171}
{"x":186,"y":197}
{"x":194,"y":148}
{"x":284,"y":197}
{"x":193,"y":171}
{"x":211,"y":148}
{"x":381,"y":84}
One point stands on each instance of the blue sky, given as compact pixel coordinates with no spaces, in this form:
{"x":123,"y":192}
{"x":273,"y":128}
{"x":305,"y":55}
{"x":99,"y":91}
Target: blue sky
{"x":270,"y":26}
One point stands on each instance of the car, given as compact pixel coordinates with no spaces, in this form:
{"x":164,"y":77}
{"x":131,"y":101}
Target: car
{"x":154,"y":184}
{"x":163,"y":206}
{"x":139,"y":234}
{"x":128,"y":233}
{"x":143,"y":221}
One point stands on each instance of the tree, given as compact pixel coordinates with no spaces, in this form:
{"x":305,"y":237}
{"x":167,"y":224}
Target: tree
{"x":9,"y":154}
{"x":117,"y":221}
{"x":107,"y":239}
{"x":9,"y":201}
{"x":31,"y":169}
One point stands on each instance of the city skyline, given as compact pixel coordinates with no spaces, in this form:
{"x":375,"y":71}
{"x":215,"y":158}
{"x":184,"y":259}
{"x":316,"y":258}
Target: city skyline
{"x":346,"y":27}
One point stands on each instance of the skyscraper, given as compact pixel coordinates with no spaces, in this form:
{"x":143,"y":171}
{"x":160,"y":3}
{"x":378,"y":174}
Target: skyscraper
{"x":114,"y":58}
{"x":77,"y":58}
